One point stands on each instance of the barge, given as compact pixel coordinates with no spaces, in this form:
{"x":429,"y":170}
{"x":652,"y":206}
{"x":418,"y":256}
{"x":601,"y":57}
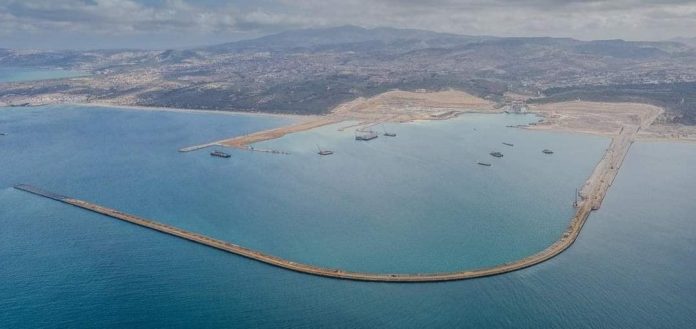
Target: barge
{"x":366,"y":136}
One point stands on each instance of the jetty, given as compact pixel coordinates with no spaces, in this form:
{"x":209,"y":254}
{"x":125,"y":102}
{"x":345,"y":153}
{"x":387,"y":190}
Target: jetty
{"x":591,"y":197}
{"x":243,"y":142}
{"x":197,"y":147}
{"x":596,"y":187}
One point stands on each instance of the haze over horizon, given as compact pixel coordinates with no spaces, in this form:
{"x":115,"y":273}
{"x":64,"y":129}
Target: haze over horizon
{"x":89,"y":24}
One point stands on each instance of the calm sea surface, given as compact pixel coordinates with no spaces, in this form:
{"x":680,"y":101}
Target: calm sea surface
{"x":414,"y":203}
{"x":16,"y":74}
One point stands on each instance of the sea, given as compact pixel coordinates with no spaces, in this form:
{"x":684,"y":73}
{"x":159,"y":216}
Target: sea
{"x":415,"y":203}
{"x":19,"y":74}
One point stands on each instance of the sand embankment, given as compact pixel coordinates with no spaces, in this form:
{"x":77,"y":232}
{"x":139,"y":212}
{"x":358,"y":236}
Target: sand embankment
{"x":599,"y":118}
{"x":245,"y":140}
{"x":392,"y":106}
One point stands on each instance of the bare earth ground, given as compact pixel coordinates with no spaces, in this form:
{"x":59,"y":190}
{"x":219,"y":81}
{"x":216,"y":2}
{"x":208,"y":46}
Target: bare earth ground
{"x":404,"y":106}
{"x":668,"y":132}
{"x":245,"y":140}
{"x":607,"y":119}
{"x":392,"y":106}
{"x":594,"y":117}
{"x":598,"y":118}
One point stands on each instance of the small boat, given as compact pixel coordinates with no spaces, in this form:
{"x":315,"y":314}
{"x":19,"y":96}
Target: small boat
{"x":497,"y":154}
{"x":388,"y":134}
{"x":220,"y":154}
{"x":3,"y":134}
{"x":323,"y":152}
{"x":509,"y":144}
{"x":547,"y":151}
{"x":484,"y":164}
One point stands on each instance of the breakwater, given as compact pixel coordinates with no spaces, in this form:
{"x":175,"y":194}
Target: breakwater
{"x":593,"y":192}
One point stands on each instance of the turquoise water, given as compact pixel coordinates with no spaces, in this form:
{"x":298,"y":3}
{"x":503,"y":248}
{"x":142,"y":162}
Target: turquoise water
{"x":17,"y":74}
{"x":414,"y":203}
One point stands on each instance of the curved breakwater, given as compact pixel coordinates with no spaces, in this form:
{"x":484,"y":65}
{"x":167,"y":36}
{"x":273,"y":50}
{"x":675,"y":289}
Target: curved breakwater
{"x":593,"y":192}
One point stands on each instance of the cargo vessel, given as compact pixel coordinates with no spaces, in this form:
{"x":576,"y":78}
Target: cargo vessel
{"x":219,"y":154}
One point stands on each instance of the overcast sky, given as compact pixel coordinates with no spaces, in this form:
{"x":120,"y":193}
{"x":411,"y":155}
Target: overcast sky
{"x":182,"y":23}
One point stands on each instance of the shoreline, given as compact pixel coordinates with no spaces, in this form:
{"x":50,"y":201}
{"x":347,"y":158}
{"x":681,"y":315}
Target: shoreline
{"x":306,"y":118}
{"x":187,"y":110}
{"x":640,"y":137}
{"x":168,"y":109}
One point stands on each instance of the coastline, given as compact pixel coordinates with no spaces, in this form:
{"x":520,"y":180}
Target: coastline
{"x":641,"y":136}
{"x":593,"y":192}
{"x":186,"y":110}
{"x":551,"y":121}
{"x":393,"y":106}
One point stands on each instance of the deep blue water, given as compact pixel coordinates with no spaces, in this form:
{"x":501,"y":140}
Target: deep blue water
{"x":16,"y":74}
{"x":414,"y":203}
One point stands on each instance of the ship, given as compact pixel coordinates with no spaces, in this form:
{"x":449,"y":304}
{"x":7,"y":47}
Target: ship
{"x":509,"y":144}
{"x":497,"y":154}
{"x":323,"y":152}
{"x":547,"y":151}
{"x":220,"y":154}
{"x":485,"y":164}
{"x":366,"y":136}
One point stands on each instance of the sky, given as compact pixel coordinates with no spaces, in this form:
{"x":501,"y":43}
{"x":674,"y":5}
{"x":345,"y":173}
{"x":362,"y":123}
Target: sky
{"x":90,"y":24}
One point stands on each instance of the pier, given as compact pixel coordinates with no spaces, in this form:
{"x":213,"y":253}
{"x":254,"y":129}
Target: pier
{"x":592,"y":195}
{"x":197,"y":147}
{"x":607,"y":168}
{"x":243,"y":142}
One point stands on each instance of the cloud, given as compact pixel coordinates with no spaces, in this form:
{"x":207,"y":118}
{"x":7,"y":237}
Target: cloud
{"x":112,"y":16}
{"x":630,"y":19}
{"x":598,"y":19}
